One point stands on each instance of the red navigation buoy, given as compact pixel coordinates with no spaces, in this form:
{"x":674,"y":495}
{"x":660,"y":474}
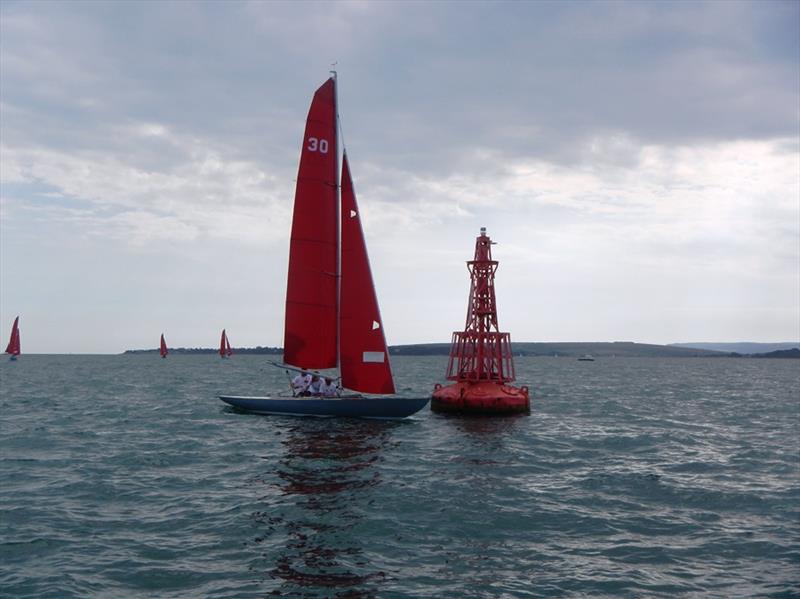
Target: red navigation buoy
{"x":481,"y":363}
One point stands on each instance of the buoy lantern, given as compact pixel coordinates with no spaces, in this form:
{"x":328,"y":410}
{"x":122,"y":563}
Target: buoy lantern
{"x":481,"y":363}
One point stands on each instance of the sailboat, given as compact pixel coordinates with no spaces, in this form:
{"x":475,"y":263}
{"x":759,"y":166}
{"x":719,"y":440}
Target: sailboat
{"x":225,"y":350}
{"x":163,"y":349}
{"x":332,"y":318}
{"x":13,"y":347}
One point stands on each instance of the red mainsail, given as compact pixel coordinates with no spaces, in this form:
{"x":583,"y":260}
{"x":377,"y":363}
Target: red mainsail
{"x":364,"y":357}
{"x":310,"y":327}
{"x":13,"y":347}
{"x":163,"y":349}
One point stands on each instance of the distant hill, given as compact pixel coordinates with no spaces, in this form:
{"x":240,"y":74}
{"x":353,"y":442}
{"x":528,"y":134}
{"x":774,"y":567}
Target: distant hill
{"x":571,"y":349}
{"x":793,"y":353}
{"x":742,"y":347}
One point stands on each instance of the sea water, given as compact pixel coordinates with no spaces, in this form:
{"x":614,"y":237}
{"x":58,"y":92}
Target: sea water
{"x":125,"y":476}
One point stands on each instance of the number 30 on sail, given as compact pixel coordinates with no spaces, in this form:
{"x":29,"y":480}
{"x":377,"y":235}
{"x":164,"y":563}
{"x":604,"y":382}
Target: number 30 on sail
{"x":317,"y":145}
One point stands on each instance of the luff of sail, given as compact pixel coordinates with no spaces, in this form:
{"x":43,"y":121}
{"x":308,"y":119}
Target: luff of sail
{"x":364,"y":356}
{"x":13,"y":347}
{"x":310,"y":326}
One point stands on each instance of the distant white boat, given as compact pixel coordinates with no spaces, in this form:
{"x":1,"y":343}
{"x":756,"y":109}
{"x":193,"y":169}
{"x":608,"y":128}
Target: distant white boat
{"x":586,"y":358}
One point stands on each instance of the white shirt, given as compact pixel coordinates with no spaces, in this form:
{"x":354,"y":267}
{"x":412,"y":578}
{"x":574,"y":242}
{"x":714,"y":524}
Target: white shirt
{"x":300,"y":383}
{"x":327,"y":390}
{"x":315,"y":386}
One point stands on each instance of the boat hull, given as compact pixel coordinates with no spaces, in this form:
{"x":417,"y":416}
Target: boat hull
{"x":348,"y":407}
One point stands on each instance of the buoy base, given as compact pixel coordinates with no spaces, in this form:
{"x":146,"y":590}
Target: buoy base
{"x":485,"y":398}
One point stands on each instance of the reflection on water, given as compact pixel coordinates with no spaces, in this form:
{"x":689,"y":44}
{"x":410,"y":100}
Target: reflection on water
{"x":485,"y":425}
{"x":325,"y":481}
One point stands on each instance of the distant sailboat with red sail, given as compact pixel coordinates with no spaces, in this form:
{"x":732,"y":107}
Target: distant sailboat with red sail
{"x":163,"y":349}
{"x":225,"y":350}
{"x":332,"y":315}
{"x":13,"y":347}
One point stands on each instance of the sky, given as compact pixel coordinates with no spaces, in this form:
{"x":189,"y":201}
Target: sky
{"x":636,"y":163}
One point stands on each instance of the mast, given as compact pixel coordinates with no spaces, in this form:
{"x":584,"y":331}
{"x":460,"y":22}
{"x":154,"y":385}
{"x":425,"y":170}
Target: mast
{"x":337,"y":130}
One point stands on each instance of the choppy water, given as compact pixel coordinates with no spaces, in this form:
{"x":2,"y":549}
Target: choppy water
{"x":123,"y":476}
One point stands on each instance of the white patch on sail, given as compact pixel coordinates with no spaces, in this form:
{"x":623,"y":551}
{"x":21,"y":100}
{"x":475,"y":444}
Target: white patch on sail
{"x":353,"y":214}
{"x":375,"y":325}
{"x":372,"y":356}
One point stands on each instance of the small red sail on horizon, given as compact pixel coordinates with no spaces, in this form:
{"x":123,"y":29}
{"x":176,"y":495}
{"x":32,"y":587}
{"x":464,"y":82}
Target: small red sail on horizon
{"x":13,"y":347}
{"x":163,"y":349}
{"x":224,"y":346}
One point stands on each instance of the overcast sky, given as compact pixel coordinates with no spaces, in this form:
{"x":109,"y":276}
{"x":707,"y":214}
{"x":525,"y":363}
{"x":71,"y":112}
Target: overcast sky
{"x":637,"y":163}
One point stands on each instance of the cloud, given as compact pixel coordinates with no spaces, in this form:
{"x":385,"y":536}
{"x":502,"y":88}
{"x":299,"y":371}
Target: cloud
{"x":597,"y":252}
{"x":612,"y":148}
{"x":163,"y":186}
{"x":532,"y":79}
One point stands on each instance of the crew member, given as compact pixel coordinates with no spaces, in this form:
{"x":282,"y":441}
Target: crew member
{"x":301,"y":383}
{"x":328,"y":388}
{"x":314,"y":388}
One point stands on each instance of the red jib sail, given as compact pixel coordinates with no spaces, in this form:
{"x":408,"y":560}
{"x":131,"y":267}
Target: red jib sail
{"x":13,"y":343}
{"x":163,"y":348}
{"x":310,"y":327}
{"x":364,"y":357}
{"x":228,"y":350}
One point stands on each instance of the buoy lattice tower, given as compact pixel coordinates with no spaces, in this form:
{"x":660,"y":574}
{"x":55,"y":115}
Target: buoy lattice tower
{"x":481,"y":363}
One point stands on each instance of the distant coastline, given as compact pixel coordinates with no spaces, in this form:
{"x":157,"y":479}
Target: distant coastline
{"x":621,"y":349}
{"x":271,"y":351}
{"x":742,"y":347}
